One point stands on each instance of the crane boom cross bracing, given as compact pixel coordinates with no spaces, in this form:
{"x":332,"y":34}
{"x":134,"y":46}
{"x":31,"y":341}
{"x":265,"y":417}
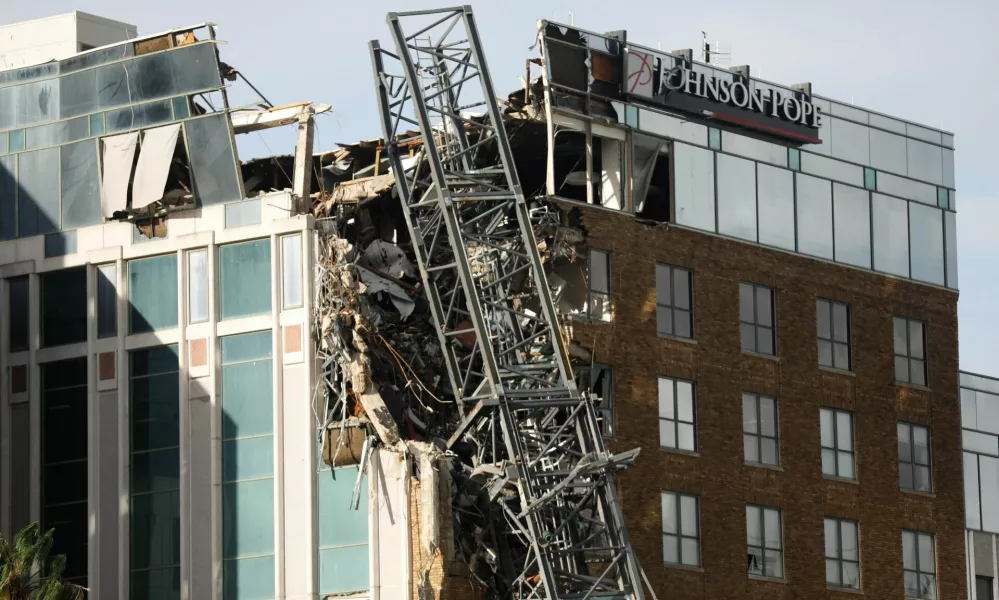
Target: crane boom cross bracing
{"x":539,"y":459}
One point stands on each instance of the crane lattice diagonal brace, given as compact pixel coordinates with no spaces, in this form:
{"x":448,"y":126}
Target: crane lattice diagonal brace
{"x":551,"y":523}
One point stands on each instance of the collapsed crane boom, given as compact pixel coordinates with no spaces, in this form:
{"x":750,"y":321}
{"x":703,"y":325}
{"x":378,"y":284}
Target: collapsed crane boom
{"x":529,"y":441}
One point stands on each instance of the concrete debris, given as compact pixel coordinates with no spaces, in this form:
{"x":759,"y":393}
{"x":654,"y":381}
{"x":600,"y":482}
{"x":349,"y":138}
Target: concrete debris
{"x":248,"y":120}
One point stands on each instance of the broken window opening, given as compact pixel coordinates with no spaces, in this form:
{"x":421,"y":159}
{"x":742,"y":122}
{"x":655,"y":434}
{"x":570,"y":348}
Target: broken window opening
{"x":650,"y":178}
{"x":598,"y":380}
{"x":569,"y":151}
{"x":133,"y":167}
{"x":608,"y":161}
{"x":598,"y":305}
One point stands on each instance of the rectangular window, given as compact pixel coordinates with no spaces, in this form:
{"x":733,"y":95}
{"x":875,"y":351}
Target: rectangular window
{"x":870,"y":179}
{"x":737,"y":197}
{"x":197,"y":286}
{"x":756,"y":318}
{"x":64,"y":306}
{"x":247,"y":466}
{"x":343,"y":533}
{"x":291,"y":271}
{"x":107,"y":300}
{"x":674,"y":301}
{"x":714,"y":138}
{"x":213,"y":161}
{"x":18,"y":314}
{"x":814,"y":216}
{"x":154,"y":495}
{"x":832,"y":320}
{"x":837,"y":443}
{"x":598,"y":294}
{"x":764,"y":543}
{"x":910,"y":354}
{"x":598,"y":380}
{"x":694,"y":186}
{"x":759,"y":429}
{"x":983,"y":588}
{"x":676,"y":414}
{"x":919,"y":565}
{"x":152,"y":293}
{"x":681,"y":529}
{"x":794,"y":159}
{"x":64,"y":462}
{"x":842,"y":553}
{"x":246,"y":278}
{"x":914,"y":470}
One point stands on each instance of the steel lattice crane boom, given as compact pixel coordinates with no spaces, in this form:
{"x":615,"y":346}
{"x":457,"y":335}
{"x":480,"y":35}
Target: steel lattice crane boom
{"x":553,"y":520}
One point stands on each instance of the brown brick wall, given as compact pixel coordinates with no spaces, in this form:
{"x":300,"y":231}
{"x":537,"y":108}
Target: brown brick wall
{"x":721,"y":372}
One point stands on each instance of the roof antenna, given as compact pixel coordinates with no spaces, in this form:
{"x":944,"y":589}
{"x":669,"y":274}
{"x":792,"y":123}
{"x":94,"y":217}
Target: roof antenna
{"x":714,"y":53}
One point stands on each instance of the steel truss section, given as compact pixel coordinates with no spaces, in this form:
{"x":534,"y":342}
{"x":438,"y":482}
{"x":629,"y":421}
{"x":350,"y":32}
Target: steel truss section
{"x":553,"y":526}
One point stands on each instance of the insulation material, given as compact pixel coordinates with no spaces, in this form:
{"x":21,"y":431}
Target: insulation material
{"x":119,"y":154}
{"x":344,"y":443}
{"x":151,"y":172}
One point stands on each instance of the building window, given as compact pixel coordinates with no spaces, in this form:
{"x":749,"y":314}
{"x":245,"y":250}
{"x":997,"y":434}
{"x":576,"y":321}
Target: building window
{"x":983,"y":588}
{"x":246,"y":278}
{"x":842,"y":553}
{"x":794,"y":159}
{"x":107,"y":300}
{"x":910,"y":351}
{"x":943,"y":197}
{"x":837,"y":443}
{"x":343,"y":533}
{"x":676,"y":414}
{"x":598,"y":292}
{"x":919,"y":565}
{"x":681,"y":529}
{"x":870,"y":178}
{"x":152,"y":293}
{"x":247,"y":466}
{"x":756,"y":318}
{"x":764,"y":546}
{"x":197,"y":285}
{"x":64,"y":462}
{"x":833,"y":322}
{"x":759,"y":429}
{"x":673,"y":301}
{"x":914,"y":457}
{"x":18,"y":314}
{"x":154,"y":494}
{"x":714,"y":138}
{"x":599,"y":381}
{"x":291,"y":271}
{"x":64,"y":306}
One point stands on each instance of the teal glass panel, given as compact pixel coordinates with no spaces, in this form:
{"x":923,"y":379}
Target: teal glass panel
{"x":248,"y":579}
{"x":246,"y":346}
{"x":97,"y":124}
{"x":870,"y":179}
{"x":631,"y":115}
{"x":181,"y":108}
{"x":155,"y":412}
{"x":17,"y":141}
{"x":156,"y":584}
{"x":38,"y":192}
{"x":714,"y":138}
{"x":343,"y":570}
{"x":154,"y":361}
{"x":155,"y":528}
{"x":247,"y":400}
{"x":60,"y":243}
{"x":155,"y":471}
{"x":213,"y":162}
{"x":64,"y":307}
{"x":794,"y":159}
{"x":248,"y":458}
{"x":248,"y":518}
{"x":81,"y":193}
{"x":152,"y":293}
{"x":240,"y":214}
{"x":246,"y":278}
{"x":338,"y":524}
{"x":943,"y":198}
{"x":3,"y":143}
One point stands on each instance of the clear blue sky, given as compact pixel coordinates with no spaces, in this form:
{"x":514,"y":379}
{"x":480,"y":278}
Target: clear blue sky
{"x":928,"y":61}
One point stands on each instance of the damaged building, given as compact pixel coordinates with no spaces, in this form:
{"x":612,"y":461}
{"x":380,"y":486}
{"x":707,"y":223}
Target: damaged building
{"x":259,"y":402}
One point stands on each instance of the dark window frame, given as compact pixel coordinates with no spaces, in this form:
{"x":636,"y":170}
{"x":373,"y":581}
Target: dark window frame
{"x":670,"y":304}
{"x":913,"y":363}
{"x":678,"y":526}
{"x":763,"y":548}
{"x":839,"y":559}
{"x":911,"y":462}
{"x":758,"y":435}
{"x":753,"y":320}
{"x":831,"y":341}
